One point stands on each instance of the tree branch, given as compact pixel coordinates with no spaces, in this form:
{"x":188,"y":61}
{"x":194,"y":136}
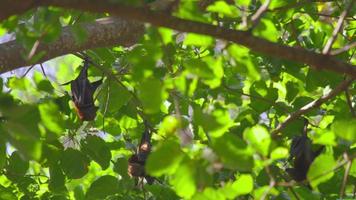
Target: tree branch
{"x":101,"y":33}
{"x":337,"y":29}
{"x":244,"y":38}
{"x":255,"y":19}
{"x":314,"y":104}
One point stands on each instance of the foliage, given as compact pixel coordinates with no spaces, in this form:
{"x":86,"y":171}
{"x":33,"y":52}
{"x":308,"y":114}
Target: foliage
{"x":211,"y":104}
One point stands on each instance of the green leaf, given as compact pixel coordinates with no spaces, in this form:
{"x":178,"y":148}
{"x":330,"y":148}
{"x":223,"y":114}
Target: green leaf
{"x":56,"y":182}
{"x":242,"y":186}
{"x":151,"y":93}
{"x":96,"y":149}
{"x":198,"y":40}
{"x":321,"y":170}
{"x":114,"y":97}
{"x":233,"y":152}
{"x":45,"y":85}
{"x":16,"y":167}
{"x":259,"y":139}
{"x":183,"y":180}
{"x":267,"y":30}
{"x":2,"y":152}
{"x":120,"y":167}
{"x":244,"y":63}
{"x":103,"y":187}
{"x":74,"y":163}
{"x":7,"y":193}
{"x":345,"y":129}
{"x":51,"y":117}
{"x":199,"y":68}
{"x":209,"y":194}
{"x":279,"y":153}
{"x":165,"y":159}
{"x":223,"y":8}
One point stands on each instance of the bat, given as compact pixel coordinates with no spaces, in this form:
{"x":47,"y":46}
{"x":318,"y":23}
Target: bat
{"x":136,"y":166}
{"x":83,"y":92}
{"x":303,"y":154}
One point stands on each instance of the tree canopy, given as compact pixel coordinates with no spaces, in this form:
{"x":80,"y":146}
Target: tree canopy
{"x":203,"y":99}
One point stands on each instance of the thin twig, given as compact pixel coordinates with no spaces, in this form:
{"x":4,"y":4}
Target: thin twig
{"x":28,"y":70}
{"x":272,"y":183}
{"x":346,"y":175}
{"x":337,"y":29}
{"x":314,"y":104}
{"x":349,"y":103}
{"x":43,"y":71}
{"x":255,"y":19}
{"x":343,"y":49}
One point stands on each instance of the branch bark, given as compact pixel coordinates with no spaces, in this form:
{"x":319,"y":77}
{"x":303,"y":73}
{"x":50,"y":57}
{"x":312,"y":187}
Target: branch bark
{"x":101,"y":33}
{"x":156,"y":18}
{"x":314,"y":104}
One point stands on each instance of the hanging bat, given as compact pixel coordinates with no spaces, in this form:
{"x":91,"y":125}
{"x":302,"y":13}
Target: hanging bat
{"x":136,"y":166}
{"x":83,"y":92}
{"x":303,"y":154}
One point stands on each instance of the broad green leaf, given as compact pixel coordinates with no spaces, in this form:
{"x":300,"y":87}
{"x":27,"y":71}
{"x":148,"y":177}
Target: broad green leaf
{"x":259,"y":139}
{"x":183,"y":181}
{"x":165,"y":159}
{"x":264,"y":190}
{"x":120,"y":167}
{"x":74,"y":163}
{"x":151,"y":93}
{"x":96,"y":149}
{"x":51,"y":117}
{"x":113,"y":96}
{"x":198,"y":40}
{"x":7,"y":193}
{"x":321,"y":170}
{"x":45,"y":85}
{"x":279,"y":153}
{"x":242,"y":186}
{"x":353,"y":169}
{"x":267,"y":30}
{"x":166,"y":34}
{"x":223,"y":8}
{"x":216,"y":123}
{"x":56,"y":181}
{"x":199,"y":68}
{"x":233,"y":152}
{"x":244,"y":62}
{"x":345,"y":129}
{"x":23,"y":132}
{"x":16,"y":167}
{"x":209,"y":194}
{"x":2,"y":152}
{"x":103,"y":187}
{"x":325,"y":137}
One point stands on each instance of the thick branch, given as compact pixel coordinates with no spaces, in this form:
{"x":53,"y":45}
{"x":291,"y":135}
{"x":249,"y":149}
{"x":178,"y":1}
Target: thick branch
{"x":101,"y":33}
{"x":156,"y":18}
{"x":314,"y":104}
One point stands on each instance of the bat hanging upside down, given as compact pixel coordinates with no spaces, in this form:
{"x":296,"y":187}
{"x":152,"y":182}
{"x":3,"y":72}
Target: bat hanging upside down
{"x":303,"y":154}
{"x":83,"y":92}
{"x":136,"y":165}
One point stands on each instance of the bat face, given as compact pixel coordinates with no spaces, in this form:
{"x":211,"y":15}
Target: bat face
{"x":82,"y":95}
